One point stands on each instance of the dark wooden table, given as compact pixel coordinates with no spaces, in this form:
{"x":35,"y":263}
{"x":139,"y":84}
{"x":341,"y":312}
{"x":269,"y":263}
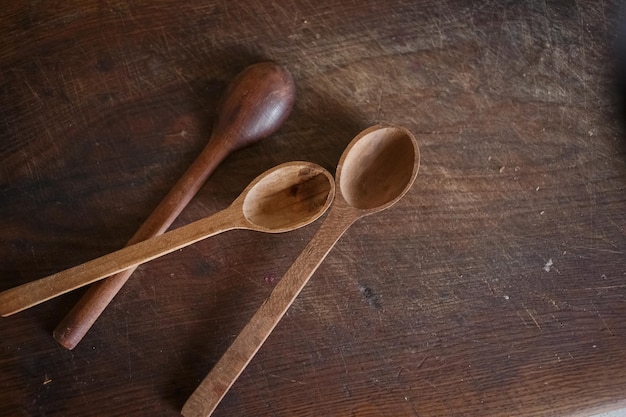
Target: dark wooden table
{"x":496,"y":287}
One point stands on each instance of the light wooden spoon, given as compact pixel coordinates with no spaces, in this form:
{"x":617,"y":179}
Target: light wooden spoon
{"x":375,"y":171}
{"x":284,"y":198}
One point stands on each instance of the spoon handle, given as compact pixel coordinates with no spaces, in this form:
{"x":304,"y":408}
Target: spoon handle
{"x":30,"y":294}
{"x":212,"y":389}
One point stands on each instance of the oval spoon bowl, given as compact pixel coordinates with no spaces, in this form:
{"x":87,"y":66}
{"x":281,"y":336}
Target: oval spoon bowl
{"x":292,"y":195}
{"x":378,"y":167}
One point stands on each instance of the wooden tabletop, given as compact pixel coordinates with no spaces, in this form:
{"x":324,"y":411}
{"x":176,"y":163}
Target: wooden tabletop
{"x":496,"y":287}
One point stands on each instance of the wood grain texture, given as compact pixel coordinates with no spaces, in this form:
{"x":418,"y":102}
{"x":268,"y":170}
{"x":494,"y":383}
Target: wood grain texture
{"x":495,"y":287}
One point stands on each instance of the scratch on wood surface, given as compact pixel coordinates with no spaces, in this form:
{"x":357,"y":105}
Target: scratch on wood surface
{"x":531,"y":316}
{"x":247,"y":277}
{"x":498,"y":52}
{"x":380,"y":100}
{"x":343,"y":360}
{"x":295,"y":381}
{"x":32,"y":90}
{"x":606,"y":287}
{"x":166,"y":41}
{"x":429,"y":383}
{"x":419,"y":365}
{"x":606,"y":325}
{"x":583,"y":58}
{"x":293,"y":16}
{"x":404,"y":368}
{"x":130,"y":369}
{"x":598,"y":249}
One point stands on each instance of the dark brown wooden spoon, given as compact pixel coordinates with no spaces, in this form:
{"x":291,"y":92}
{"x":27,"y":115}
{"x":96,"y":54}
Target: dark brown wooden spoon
{"x":255,"y":105}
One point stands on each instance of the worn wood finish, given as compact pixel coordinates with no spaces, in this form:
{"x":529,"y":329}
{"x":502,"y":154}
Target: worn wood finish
{"x":283,"y":199}
{"x":375,"y":171}
{"x":255,"y":105}
{"x":494,"y":287}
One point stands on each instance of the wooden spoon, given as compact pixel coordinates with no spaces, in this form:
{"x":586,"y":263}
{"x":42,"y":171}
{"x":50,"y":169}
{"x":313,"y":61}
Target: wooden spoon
{"x":375,"y":171}
{"x":284,"y":198}
{"x":254,"y":106}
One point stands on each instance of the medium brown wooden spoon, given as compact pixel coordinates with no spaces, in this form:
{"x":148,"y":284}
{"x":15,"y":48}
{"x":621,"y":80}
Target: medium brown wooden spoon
{"x":254,"y":106}
{"x":375,"y":171}
{"x":284,"y":198}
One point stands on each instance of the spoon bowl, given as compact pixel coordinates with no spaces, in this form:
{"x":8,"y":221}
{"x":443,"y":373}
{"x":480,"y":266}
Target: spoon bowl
{"x":283,"y":198}
{"x":377,"y":168}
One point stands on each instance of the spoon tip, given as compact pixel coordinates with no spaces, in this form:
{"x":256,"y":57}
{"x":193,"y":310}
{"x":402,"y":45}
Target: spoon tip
{"x":256,"y":104}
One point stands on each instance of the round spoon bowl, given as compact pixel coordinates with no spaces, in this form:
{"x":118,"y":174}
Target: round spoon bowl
{"x":378,"y":168}
{"x":289,"y":196}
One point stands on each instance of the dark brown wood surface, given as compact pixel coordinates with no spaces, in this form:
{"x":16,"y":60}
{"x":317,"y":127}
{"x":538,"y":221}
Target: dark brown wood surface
{"x":497,"y":286}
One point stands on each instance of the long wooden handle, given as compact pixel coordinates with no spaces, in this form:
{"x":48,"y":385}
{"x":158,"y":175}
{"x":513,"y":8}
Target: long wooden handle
{"x":30,"y":294}
{"x":212,"y":389}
